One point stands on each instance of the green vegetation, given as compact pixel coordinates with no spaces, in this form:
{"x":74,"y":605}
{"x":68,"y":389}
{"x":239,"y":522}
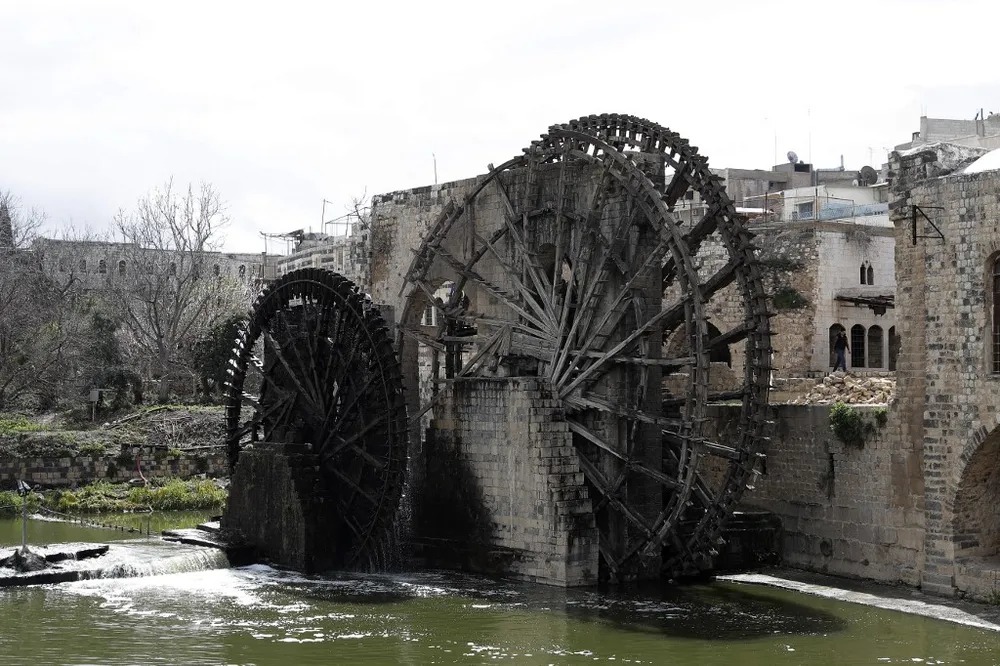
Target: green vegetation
{"x":72,"y":433}
{"x":787,"y":298}
{"x":16,"y":423}
{"x":852,"y":427}
{"x":782,"y":264}
{"x":106,"y":497}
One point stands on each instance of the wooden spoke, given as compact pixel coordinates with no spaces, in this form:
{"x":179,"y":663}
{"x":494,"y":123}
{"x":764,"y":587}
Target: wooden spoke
{"x":490,"y":288}
{"x":666,"y":315}
{"x":732,"y":336}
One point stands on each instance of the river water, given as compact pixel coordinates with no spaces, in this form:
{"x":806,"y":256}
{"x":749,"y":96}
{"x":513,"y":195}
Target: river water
{"x":261,"y":616}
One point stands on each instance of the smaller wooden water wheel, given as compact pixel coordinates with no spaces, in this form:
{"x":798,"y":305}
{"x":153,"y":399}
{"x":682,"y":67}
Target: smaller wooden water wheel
{"x":314,"y":366}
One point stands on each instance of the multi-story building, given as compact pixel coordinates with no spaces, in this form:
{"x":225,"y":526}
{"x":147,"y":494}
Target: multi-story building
{"x":95,"y":263}
{"x":826,"y":245}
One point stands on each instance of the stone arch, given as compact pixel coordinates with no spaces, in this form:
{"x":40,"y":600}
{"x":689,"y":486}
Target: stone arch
{"x":894,"y":342}
{"x":871,"y":274}
{"x":976,"y":520}
{"x":835,"y":330}
{"x":993,"y":300}
{"x":857,"y":346}
{"x":875,"y":344}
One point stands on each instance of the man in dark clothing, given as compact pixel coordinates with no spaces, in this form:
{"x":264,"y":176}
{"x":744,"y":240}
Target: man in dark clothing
{"x":841,"y":347}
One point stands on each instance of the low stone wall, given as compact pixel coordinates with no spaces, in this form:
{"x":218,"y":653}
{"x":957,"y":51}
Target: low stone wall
{"x":81,"y":470}
{"x":835,"y":502}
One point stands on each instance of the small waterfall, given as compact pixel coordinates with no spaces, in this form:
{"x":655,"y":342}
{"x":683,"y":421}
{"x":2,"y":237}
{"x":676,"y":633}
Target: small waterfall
{"x":193,"y":559}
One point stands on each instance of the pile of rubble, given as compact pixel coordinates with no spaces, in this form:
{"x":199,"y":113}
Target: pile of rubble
{"x":849,"y":389}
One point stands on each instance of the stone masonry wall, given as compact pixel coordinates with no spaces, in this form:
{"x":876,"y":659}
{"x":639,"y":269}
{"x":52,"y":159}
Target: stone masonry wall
{"x":948,"y":394}
{"x":834,"y":500}
{"x":73,"y":472}
{"x":399,"y":222}
{"x":511,"y":437}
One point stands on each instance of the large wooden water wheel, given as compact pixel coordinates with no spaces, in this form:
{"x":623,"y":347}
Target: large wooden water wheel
{"x":314,"y":366}
{"x":571,"y":262}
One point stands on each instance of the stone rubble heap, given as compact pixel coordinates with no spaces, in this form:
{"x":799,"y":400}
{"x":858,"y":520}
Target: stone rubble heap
{"x":848,"y":389}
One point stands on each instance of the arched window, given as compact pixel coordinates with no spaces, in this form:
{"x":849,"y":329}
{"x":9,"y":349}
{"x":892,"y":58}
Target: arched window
{"x":215,"y":270}
{"x":871,"y":274}
{"x":242,"y":270}
{"x":173,"y":268}
{"x":121,"y":267}
{"x":857,"y":346}
{"x":864,"y":274}
{"x":893,"y":347}
{"x":102,"y":266}
{"x":996,"y":314}
{"x":83,"y":265}
{"x":835,"y":330}
{"x":875,"y":347}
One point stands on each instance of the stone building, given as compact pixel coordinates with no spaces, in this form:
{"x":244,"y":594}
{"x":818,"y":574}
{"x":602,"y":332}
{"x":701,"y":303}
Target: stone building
{"x":97,"y":263}
{"x":827,"y":253}
{"x":345,"y":254}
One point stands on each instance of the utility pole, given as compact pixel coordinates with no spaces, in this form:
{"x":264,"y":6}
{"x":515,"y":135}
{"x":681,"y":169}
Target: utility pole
{"x":23,"y":489}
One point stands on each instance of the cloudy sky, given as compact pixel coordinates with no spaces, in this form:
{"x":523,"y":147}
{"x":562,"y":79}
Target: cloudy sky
{"x":282,"y":105}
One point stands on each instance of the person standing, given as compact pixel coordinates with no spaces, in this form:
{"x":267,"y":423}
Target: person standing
{"x":841,"y":348}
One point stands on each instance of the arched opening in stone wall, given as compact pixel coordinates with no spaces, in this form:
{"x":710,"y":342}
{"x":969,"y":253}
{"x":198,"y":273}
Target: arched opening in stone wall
{"x":871,"y":275}
{"x":893,"y":347}
{"x":977,"y":502}
{"x":864,"y":274}
{"x":875,"y":347}
{"x":719,"y":353}
{"x":835,"y":330}
{"x":857,"y":346}
{"x":995,"y":319}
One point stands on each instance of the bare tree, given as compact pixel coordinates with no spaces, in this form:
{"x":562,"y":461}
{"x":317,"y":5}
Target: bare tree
{"x":38,"y":316}
{"x":165,"y":297}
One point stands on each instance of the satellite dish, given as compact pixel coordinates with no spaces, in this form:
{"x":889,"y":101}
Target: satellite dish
{"x":867,"y":176}
{"x":792,"y":157}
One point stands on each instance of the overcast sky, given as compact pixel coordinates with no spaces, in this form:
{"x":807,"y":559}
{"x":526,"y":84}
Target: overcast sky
{"x":283,"y":104}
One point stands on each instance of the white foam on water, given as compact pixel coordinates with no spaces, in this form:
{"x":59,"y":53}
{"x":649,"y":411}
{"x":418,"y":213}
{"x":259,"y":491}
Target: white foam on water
{"x":912,"y":606}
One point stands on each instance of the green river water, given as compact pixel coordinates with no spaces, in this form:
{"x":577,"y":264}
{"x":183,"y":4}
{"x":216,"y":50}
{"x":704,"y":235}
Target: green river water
{"x":175,"y":610}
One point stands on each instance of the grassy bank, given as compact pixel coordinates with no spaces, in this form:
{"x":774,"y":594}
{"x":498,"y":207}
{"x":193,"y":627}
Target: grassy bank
{"x":105,"y":497}
{"x":69,"y":434}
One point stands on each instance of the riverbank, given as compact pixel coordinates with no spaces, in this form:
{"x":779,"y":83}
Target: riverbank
{"x":172,"y":494}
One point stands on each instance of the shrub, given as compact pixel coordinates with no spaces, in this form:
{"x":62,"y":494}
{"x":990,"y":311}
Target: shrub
{"x":15,"y":423}
{"x":787,"y":298}
{"x":852,"y":428}
{"x":93,"y":448}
